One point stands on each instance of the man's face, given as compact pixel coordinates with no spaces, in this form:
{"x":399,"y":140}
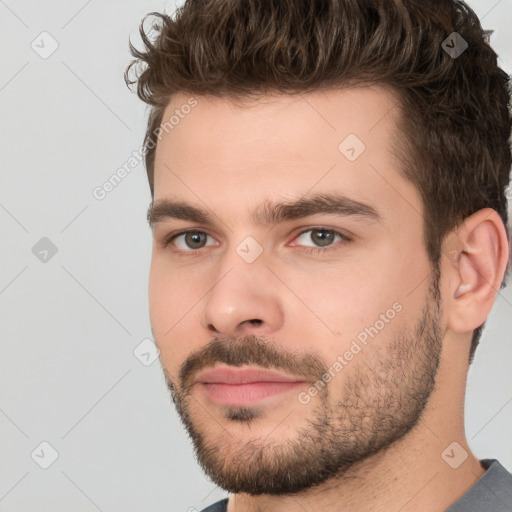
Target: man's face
{"x":331,"y":300}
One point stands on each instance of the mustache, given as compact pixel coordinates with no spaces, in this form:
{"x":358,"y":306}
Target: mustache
{"x":250,"y":350}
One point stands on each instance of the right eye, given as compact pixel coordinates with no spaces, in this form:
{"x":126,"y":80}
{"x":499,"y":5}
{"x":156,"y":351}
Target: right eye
{"x":188,"y":241}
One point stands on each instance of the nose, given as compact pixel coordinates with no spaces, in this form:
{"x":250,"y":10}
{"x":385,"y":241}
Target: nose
{"x":244,"y":299}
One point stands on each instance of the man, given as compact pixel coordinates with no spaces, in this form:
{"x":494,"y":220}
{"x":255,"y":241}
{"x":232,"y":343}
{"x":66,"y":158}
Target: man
{"x":329,"y":220}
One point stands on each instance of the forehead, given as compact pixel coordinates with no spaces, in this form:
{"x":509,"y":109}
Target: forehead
{"x":281,"y":147}
{"x":279,"y":122}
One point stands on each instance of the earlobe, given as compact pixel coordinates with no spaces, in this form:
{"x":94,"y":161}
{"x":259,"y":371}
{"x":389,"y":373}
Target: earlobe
{"x":478,"y":260}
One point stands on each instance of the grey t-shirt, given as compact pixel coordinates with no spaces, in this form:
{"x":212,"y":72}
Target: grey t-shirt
{"x":492,"y":492}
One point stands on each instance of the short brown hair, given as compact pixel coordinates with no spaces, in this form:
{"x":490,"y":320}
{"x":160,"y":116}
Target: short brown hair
{"x":456,"y":119}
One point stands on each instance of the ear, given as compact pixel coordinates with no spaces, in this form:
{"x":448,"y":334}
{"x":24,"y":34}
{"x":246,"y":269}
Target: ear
{"x":475,"y":258}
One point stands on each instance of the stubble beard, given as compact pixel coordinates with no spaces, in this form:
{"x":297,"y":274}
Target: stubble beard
{"x":383,"y":399}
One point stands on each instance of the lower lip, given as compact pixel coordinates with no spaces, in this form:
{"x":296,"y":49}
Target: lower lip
{"x":246,"y":394}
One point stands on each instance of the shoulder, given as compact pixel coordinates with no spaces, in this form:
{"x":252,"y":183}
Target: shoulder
{"x":491,"y":492}
{"x":220,"y":506}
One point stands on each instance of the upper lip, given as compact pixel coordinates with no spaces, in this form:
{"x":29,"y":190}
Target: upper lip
{"x":242,"y":376}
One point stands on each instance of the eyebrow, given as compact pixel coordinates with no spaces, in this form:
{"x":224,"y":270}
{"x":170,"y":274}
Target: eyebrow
{"x":269,"y":212}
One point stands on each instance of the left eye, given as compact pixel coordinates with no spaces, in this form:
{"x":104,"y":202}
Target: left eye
{"x":319,"y":237}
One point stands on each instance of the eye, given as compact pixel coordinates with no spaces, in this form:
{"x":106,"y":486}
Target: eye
{"x":188,"y":241}
{"x":319,"y":237}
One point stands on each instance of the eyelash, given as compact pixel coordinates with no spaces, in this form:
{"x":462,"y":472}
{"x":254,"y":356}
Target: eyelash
{"x":166,"y":242}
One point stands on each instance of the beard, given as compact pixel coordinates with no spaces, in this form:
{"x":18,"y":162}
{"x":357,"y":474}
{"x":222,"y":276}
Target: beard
{"x":383,"y":399}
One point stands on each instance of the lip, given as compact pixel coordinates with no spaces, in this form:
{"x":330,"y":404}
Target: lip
{"x":244,"y":386}
{"x":242,"y":376}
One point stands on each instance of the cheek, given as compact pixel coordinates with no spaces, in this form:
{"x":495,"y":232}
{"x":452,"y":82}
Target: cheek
{"x":161,"y":303}
{"x":173,"y":292}
{"x":363,"y":296}
{"x":340,"y":297}
{"x":173,"y":305}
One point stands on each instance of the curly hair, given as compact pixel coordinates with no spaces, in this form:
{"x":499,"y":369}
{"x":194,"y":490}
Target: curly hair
{"x":455,"y":121}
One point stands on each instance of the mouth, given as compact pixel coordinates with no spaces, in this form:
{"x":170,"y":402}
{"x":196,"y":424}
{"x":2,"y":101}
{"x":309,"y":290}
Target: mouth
{"x":244,"y":386}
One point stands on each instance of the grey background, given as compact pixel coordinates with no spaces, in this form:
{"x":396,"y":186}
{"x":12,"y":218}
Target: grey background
{"x":70,"y":324}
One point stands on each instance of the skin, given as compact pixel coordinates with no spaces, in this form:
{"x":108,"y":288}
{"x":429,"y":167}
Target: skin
{"x":229,"y":159}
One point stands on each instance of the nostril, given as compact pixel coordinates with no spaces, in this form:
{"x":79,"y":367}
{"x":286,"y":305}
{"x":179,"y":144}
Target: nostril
{"x":256,"y":321}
